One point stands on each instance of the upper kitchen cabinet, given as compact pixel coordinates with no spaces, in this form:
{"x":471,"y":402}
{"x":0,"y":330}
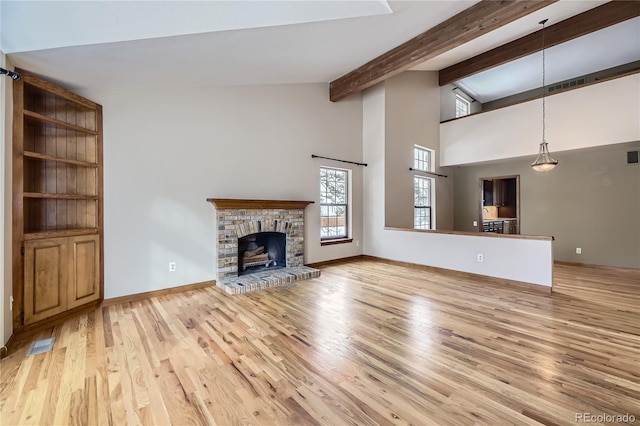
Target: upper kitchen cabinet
{"x":499,"y":192}
{"x":487,"y":192}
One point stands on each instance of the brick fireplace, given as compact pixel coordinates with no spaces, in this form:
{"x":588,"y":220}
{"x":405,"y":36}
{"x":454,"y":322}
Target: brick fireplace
{"x":238,"y":219}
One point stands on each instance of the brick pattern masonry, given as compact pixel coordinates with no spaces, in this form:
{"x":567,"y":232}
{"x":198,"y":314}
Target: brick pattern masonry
{"x":237,"y":223}
{"x":266,"y":279}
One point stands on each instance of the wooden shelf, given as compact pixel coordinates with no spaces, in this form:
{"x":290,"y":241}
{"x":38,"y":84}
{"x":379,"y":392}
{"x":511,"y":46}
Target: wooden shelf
{"x":60,"y":196}
{"x":57,"y":230}
{"x":34,"y":116}
{"x":36,"y":84}
{"x":232,"y":203}
{"x":38,"y":156}
{"x":59,"y":233}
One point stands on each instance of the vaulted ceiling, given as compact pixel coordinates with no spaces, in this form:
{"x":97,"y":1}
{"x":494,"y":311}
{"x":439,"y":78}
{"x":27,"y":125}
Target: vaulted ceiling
{"x":116,"y":45}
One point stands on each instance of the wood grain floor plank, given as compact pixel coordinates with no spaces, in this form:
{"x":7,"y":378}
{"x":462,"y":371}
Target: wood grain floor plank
{"x":367,"y":343}
{"x":52,"y":384}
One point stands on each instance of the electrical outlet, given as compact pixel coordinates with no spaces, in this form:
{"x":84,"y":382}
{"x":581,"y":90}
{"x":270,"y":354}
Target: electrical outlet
{"x":172,"y":266}
{"x":578,"y":250}
{"x":357,"y":243}
{"x":11,"y":303}
{"x":475,"y":223}
{"x":480,"y":257}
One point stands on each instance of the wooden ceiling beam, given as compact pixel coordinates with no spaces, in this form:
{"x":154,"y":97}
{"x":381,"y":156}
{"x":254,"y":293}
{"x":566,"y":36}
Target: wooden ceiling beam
{"x":479,"y":19}
{"x":587,"y":22}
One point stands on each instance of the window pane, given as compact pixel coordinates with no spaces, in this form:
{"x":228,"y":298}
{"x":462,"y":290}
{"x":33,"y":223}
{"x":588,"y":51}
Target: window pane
{"x":422,"y":202}
{"x":422,"y":218}
{"x":462,"y":106}
{"x":333,"y":203}
{"x":333,"y":221}
{"x":422,"y":191}
{"x":422,"y":159}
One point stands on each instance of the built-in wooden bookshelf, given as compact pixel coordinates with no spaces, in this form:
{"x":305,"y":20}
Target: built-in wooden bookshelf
{"x":57,"y":202}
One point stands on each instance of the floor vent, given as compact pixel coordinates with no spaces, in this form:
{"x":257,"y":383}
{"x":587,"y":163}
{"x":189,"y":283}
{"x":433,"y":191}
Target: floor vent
{"x":41,"y":346}
{"x":633,"y":157}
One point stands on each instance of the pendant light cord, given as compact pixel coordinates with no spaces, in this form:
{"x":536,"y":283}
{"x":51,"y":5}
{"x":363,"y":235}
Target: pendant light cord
{"x":544,"y":162}
{"x":543,"y":83}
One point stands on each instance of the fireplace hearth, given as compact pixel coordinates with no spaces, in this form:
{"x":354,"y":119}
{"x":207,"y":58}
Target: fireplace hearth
{"x":260,"y":243}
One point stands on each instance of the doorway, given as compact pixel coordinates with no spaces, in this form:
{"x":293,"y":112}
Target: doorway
{"x":499,"y":204}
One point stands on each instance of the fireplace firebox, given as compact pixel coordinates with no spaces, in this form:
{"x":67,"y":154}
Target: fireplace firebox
{"x":262,"y":251}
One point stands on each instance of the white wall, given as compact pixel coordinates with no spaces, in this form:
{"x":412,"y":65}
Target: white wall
{"x":412,"y":106}
{"x":528,"y":261}
{"x":167,"y":150}
{"x":522,"y":260}
{"x":601,"y":114}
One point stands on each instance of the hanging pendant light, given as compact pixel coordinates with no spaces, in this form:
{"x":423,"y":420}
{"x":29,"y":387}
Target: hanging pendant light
{"x":544,"y":162}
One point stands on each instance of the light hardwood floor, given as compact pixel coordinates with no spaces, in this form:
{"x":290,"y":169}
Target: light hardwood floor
{"x":366,"y":343}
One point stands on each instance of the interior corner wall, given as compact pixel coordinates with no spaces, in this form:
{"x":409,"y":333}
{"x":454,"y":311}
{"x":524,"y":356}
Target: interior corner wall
{"x":522,"y":260}
{"x":412,"y":105}
{"x":591,"y":200}
{"x":6,"y":112}
{"x":167,"y":150}
{"x":448,"y":102}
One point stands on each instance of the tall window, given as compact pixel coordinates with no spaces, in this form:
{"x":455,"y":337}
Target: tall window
{"x":334,"y":203}
{"x":463,"y":106}
{"x":422,"y":187}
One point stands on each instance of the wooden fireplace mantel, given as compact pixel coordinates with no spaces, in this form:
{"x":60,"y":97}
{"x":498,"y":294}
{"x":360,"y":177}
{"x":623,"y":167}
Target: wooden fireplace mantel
{"x":234,"y":203}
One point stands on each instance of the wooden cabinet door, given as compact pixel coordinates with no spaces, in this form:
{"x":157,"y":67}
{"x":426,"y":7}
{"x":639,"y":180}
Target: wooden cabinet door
{"x":487,"y":189}
{"x":498,"y":192}
{"x":84,"y":270}
{"x":45,"y":278}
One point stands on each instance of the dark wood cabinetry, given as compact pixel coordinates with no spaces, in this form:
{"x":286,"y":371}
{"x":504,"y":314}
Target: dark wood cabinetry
{"x":57,"y":202}
{"x":499,"y":192}
{"x":487,"y":192}
{"x":499,"y":207}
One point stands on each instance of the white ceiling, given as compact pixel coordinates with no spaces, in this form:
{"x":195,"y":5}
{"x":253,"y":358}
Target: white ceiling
{"x":38,"y":25}
{"x":119,"y":45}
{"x":607,"y":48}
{"x":295,"y":53}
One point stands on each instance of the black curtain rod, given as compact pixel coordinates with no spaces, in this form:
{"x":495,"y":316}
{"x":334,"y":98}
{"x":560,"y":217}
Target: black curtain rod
{"x":13,"y":75}
{"x":457,"y":88}
{"x":342,"y":161}
{"x":429,"y":173}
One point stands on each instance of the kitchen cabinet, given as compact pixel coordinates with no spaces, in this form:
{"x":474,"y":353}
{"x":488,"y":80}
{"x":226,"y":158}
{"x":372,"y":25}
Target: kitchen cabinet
{"x":508,"y":227}
{"x":499,"y":209}
{"x":487,"y":191}
{"x":500,"y":226}
{"x":499,"y":192}
{"x":493,"y":226}
{"x":495,"y":193}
